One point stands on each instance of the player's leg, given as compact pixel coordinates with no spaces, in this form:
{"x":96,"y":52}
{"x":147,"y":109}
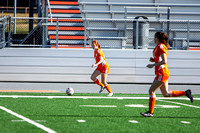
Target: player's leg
{"x":174,"y":93}
{"x":102,"y":87}
{"x":152,"y":98}
{"x":164,"y":89}
{"x":106,"y":85}
{"x":94,"y":78}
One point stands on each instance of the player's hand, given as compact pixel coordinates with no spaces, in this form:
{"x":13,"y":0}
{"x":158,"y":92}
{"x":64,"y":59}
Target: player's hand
{"x":94,"y":65}
{"x":152,"y":59}
{"x":150,"y":65}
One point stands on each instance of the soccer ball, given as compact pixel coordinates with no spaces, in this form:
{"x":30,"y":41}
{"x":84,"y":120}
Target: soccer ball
{"x":69,"y":91}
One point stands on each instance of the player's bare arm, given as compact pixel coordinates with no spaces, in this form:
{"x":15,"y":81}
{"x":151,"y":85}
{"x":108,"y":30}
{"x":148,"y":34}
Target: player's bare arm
{"x":100,"y":61}
{"x":151,"y":59}
{"x":162,"y":62}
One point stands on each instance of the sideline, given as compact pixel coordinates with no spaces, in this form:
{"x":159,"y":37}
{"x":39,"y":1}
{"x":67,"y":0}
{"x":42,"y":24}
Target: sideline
{"x":28,"y":120}
{"x":180,"y":104}
{"x":95,"y":97}
{"x":39,"y":91}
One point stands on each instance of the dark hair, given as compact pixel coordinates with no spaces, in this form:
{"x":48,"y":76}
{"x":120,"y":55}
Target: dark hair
{"x":96,"y":43}
{"x":163,"y":38}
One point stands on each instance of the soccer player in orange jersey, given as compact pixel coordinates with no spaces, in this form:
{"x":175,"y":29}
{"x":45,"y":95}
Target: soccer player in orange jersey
{"x":162,"y":73}
{"x":102,"y":68}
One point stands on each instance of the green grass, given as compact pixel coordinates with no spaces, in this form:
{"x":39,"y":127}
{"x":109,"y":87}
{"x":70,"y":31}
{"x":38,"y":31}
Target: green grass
{"x":22,"y":25}
{"x":61,"y":114}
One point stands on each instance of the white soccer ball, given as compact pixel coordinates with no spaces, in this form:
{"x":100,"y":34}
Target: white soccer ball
{"x":69,"y":91}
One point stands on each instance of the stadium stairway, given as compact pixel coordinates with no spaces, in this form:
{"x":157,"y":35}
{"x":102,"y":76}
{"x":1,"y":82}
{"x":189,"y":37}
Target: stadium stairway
{"x":71,"y":29}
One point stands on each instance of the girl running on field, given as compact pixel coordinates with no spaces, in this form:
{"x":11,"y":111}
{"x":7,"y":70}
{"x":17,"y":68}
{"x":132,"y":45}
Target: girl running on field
{"x":102,"y":68}
{"x":162,"y":74}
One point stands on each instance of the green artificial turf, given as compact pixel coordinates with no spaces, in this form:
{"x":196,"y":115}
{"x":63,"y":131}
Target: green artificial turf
{"x":62,"y":114}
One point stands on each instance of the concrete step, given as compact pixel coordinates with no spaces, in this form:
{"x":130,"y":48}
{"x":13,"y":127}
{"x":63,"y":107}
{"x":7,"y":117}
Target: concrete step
{"x":74,"y":42}
{"x":78,"y":46}
{"x":65,"y":11}
{"x":66,"y":20}
{"x":63,"y":3}
{"x":64,"y":7}
{"x":66,"y":37}
{"x":66,"y":28}
{"x":65,"y":15}
{"x":65,"y":24}
{"x":64,"y":0}
{"x":80,"y":33}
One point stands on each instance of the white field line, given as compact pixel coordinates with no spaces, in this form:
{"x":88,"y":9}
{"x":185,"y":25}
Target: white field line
{"x":185,"y":122}
{"x":133,"y":121}
{"x":81,"y":120}
{"x":24,"y":120}
{"x":28,"y":120}
{"x":180,"y":104}
{"x":111,"y":106}
{"x":95,"y":97}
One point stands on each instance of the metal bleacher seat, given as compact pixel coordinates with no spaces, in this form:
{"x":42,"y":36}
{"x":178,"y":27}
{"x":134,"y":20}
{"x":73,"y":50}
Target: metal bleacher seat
{"x":109,"y":40}
{"x":178,"y":10}
{"x":114,"y":9}
{"x":120,"y":14}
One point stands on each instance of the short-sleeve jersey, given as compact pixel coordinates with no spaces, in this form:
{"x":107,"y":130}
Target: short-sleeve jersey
{"x":97,"y":54}
{"x":158,"y":50}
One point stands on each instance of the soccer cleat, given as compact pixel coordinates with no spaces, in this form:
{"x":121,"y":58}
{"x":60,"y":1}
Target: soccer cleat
{"x":147,"y":114}
{"x":110,"y":94}
{"x":102,"y":88}
{"x":189,"y":95}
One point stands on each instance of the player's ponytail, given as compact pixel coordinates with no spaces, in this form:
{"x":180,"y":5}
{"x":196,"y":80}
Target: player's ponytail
{"x":163,"y":38}
{"x":96,"y":43}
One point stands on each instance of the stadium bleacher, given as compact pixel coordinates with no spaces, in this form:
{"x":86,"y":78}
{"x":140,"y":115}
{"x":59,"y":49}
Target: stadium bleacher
{"x":71,"y":31}
{"x":115,"y":9}
{"x":111,"y":22}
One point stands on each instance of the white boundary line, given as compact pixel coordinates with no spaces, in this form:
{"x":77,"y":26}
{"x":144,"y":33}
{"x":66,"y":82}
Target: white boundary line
{"x":111,"y":106}
{"x":185,"y":122}
{"x":24,"y":120}
{"x":180,"y":103}
{"x":133,"y":121}
{"x":95,"y":97}
{"x":28,"y":120}
{"x":81,"y":120}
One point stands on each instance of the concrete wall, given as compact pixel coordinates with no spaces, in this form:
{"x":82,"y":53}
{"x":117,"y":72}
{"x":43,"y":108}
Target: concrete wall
{"x":74,"y":65}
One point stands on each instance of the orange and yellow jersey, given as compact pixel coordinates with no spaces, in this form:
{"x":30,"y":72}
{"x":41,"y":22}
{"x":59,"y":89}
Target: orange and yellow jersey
{"x":97,"y":54}
{"x":158,"y":50}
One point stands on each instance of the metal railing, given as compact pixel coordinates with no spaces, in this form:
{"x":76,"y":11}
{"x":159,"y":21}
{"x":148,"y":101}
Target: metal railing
{"x":109,"y":32}
{"x":49,"y":9}
{"x":182,"y":33}
{"x":5,"y":27}
{"x":157,"y":12}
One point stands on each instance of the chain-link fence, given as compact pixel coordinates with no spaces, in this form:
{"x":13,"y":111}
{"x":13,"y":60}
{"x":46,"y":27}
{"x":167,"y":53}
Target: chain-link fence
{"x":4,"y":28}
{"x":110,"y":33}
{"x":2,"y":32}
{"x":139,"y":33}
{"x":27,"y":32}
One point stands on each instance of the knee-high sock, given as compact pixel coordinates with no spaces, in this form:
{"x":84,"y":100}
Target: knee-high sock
{"x":108,"y":88}
{"x":177,"y":93}
{"x":98,"y":82}
{"x":152,"y":101}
